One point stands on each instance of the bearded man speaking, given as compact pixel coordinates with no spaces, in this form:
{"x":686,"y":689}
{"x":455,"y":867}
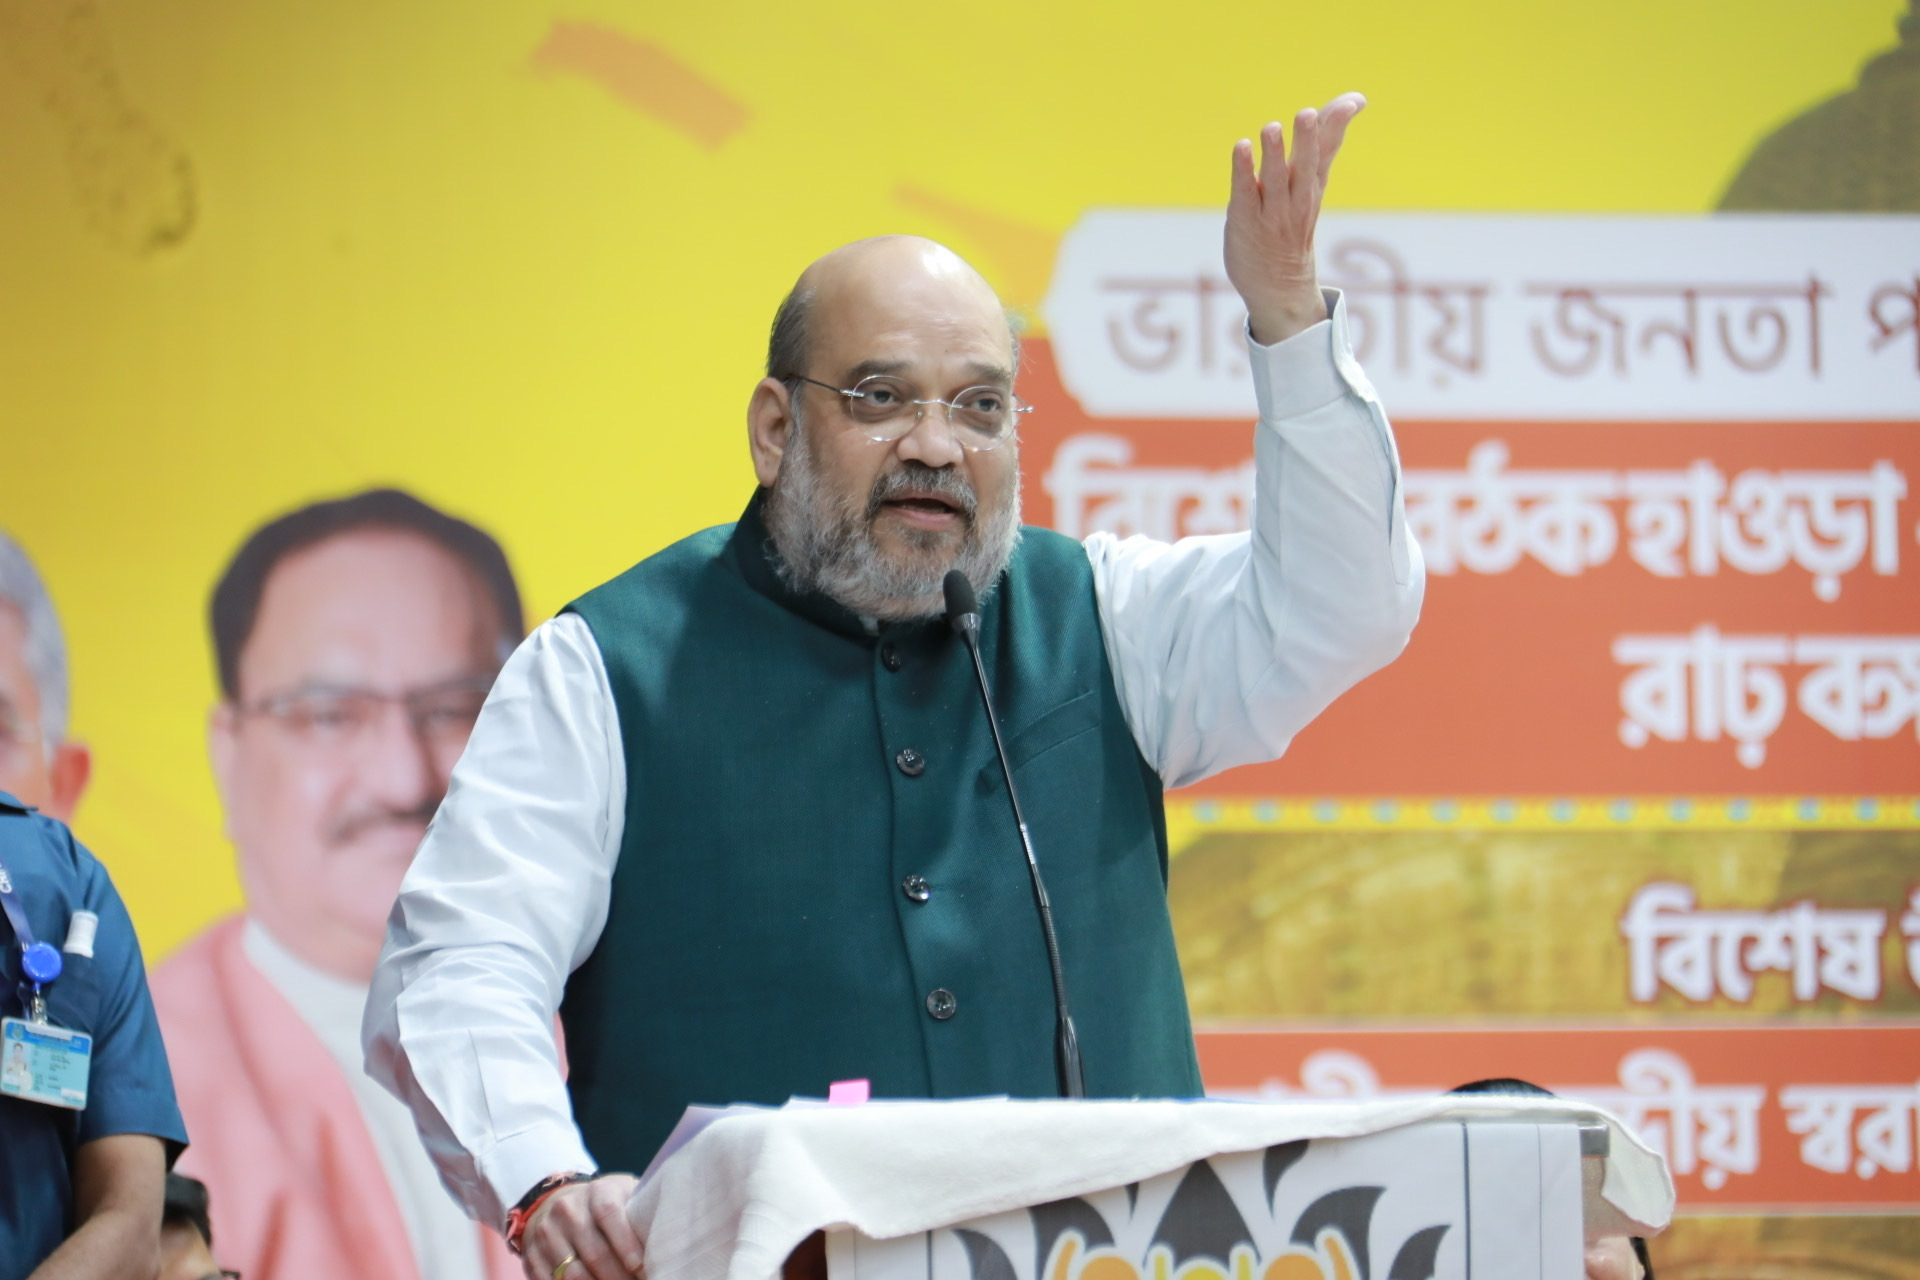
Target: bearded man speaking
{"x":737,"y":815}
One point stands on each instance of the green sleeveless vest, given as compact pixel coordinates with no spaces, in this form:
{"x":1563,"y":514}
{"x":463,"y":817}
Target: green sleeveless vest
{"x":792,"y":780}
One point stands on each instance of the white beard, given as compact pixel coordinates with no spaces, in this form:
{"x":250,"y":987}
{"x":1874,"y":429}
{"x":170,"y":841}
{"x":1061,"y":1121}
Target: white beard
{"x":825,"y":543}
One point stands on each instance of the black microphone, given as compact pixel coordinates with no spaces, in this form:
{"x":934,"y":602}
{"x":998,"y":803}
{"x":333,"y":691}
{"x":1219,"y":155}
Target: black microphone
{"x":963,"y":615}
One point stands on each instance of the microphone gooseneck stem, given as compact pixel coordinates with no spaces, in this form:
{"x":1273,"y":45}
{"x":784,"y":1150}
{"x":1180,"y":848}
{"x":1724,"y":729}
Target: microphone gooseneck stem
{"x":1066,"y":1043}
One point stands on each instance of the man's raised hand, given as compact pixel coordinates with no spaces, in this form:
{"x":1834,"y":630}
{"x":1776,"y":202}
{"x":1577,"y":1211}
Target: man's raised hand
{"x":1271,"y":216}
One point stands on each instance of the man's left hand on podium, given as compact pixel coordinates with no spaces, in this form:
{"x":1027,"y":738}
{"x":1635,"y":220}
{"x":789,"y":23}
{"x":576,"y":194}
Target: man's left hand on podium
{"x":581,"y":1232}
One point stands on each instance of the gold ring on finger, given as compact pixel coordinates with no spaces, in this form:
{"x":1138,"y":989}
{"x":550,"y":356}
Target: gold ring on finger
{"x":560,"y":1268}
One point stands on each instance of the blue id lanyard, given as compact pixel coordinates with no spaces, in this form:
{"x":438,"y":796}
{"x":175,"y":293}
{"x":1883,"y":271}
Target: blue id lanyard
{"x":38,"y":960}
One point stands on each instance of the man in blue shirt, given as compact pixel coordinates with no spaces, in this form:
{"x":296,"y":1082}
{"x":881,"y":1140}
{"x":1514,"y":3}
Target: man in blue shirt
{"x":80,"y":1191}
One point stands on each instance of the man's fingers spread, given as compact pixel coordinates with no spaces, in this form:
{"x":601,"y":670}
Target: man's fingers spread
{"x":1334,"y":121}
{"x":1306,"y":154}
{"x":1332,"y":134}
{"x":1273,"y":159}
{"x":1244,"y":183}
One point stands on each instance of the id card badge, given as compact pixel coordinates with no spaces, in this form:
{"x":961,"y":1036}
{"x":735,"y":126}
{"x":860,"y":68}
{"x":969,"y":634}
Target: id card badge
{"x":40,"y":1062}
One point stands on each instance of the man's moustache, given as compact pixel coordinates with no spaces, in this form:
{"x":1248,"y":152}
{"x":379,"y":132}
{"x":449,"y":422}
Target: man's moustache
{"x":356,"y":825}
{"x":920,"y":479}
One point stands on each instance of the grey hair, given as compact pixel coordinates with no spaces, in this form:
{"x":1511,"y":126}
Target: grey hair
{"x":21,"y":587}
{"x":787,"y":343}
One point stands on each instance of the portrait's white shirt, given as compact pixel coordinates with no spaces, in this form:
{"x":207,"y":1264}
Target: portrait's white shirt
{"x":445,"y":1244}
{"x":1221,"y":647}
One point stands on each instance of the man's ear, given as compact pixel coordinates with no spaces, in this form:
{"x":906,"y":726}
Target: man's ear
{"x":769,"y":428}
{"x":67,"y":776}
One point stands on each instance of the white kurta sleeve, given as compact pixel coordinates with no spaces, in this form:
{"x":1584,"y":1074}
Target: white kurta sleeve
{"x":507,"y":896}
{"x":1224,"y":647}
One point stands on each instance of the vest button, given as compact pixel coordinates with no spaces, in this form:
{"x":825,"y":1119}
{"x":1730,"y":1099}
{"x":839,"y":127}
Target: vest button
{"x":941,"y":1004}
{"x":890,"y":658}
{"x":911,"y":762}
{"x":916,"y":888}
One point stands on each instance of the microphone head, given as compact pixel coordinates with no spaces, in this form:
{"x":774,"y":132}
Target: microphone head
{"x":963,"y":611}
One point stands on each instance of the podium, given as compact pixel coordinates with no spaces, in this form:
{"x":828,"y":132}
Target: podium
{"x":1433,"y":1188}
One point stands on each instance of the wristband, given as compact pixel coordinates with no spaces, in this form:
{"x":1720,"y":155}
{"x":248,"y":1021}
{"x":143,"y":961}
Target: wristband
{"x":529,"y":1203}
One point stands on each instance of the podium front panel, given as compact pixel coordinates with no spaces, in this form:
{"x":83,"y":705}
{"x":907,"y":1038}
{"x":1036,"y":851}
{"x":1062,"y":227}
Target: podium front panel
{"x":1440,"y":1200}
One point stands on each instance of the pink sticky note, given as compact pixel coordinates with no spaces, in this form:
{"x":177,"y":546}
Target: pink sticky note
{"x":848,"y":1093}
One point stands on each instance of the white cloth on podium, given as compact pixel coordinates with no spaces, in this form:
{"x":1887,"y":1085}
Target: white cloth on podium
{"x":732,"y":1200}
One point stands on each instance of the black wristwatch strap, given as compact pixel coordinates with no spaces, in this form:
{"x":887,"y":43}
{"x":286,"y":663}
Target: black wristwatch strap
{"x":524,"y":1207}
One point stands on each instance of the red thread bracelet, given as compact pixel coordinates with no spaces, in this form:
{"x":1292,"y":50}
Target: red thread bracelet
{"x":520,"y":1214}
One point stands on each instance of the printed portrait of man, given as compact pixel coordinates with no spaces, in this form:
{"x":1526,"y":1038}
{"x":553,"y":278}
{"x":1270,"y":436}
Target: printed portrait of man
{"x":18,"y":1072}
{"x":38,"y":764}
{"x":355,"y":640}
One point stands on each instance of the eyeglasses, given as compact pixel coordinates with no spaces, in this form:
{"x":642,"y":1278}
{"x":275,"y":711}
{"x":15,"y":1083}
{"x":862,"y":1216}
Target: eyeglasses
{"x":886,"y":408}
{"x":332,"y":716}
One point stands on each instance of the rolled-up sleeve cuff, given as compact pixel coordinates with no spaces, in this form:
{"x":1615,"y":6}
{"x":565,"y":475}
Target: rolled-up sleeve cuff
{"x":1308,"y":371}
{"x":518,"y":1161}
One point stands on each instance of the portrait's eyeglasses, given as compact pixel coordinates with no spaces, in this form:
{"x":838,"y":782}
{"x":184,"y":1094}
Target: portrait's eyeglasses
{"x":886,"y":408}
{"x":336,"y":716}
